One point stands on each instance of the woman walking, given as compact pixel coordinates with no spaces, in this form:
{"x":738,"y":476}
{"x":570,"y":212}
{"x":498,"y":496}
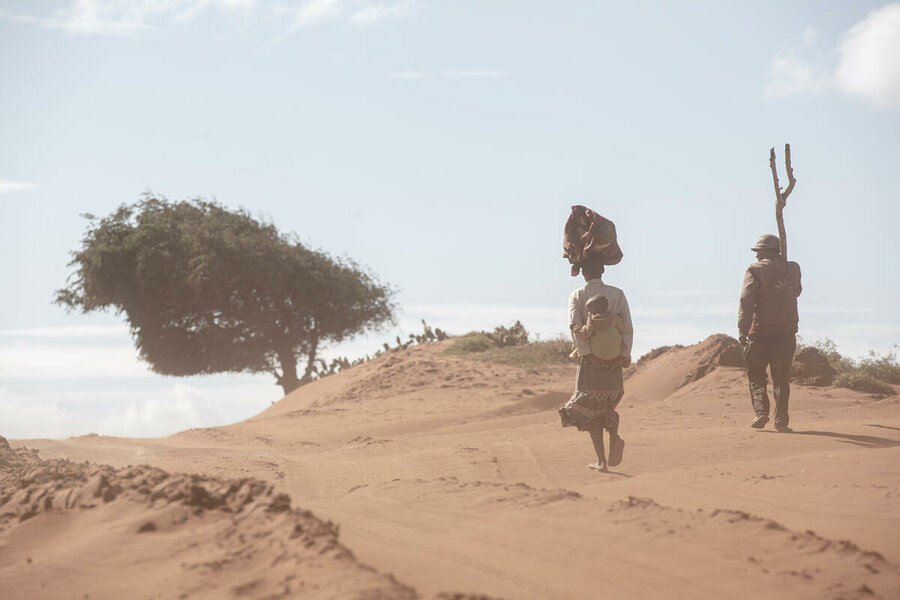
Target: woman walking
{"x":600,"y":322}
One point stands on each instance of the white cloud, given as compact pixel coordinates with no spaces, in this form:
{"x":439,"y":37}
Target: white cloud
{"x":794,"y":75}
{"x":409,"y":75}
{"x":133,"y":411}
{"x":810,"y":35}
{"x":124,"y":17}
{"x":455,"y":74}
{"x":693,"y":293}
{"x":313,"y":12}
{"x":21,"y":417}
{"x":819,"y":309}
{"x":649,"y":337}
{"x":37,"y":359}
{"x":799,"y":70}
{"x":181,"y":408}
{"x":69,"y":332}
{"x":373,"y":13}
{"x":70,"y":352}
{"x":317,"y":12}
{"x":196,"y":6}
{"x":685,"y":310}
{"x":474,"y":73}
{"x":104,"y":16}
{"x":129,"y":17}
{"x":14,"y":186}
{"x":869,"y":65}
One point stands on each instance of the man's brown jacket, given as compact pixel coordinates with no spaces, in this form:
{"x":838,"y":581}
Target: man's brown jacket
{"x":769,"y":297}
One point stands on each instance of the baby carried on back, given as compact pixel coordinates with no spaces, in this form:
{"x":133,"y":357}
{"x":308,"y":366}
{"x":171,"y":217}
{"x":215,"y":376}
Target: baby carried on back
{"x":603,"y":330}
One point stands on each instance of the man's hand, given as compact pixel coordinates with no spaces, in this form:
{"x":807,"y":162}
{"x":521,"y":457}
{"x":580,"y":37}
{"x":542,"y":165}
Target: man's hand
{"x":743,"y":339}
{"x":626,"y":361}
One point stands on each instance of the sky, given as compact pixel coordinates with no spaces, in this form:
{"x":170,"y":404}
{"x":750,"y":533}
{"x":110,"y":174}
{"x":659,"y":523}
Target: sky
{"x":442,"y":143}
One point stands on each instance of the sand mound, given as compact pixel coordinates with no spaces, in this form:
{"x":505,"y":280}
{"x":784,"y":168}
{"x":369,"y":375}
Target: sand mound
{"x":717,"y":350}
{"x":810,"y":366}
{"x":398,"y":373}
{"x":813,"y":566}
{"x":393,"y":374}
{"x":219,"y":537}
{"x":454,"y":474}
{"x":663,"y":371}
{"x":15,"y":458}
{"x":656,"y":353}
{"x":187,"y":536}
{"x":416,"y":389}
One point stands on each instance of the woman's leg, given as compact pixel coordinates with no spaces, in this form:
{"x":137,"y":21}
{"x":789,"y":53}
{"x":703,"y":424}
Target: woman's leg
{"x":616,"y":443}
{"x":612,"y":425}
{"x":597,"y":438}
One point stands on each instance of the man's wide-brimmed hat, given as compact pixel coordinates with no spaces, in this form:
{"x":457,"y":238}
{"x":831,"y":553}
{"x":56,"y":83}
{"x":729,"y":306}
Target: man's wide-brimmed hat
{"x":767,"y":242}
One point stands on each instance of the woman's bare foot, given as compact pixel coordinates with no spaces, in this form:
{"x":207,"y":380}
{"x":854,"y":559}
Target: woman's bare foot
{"x":598,"y":466}
{"x":616,"y":448}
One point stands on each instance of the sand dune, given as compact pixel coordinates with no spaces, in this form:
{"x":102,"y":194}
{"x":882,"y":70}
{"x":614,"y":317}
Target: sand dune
{"x":454,"y":475}
{"x":140,"y":532}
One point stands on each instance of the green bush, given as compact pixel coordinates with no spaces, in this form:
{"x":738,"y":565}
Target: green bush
{"x":884,"y":367}
{"x":534,"y":356}
{"x":863,"y":382}
{"x":475,"y":341}
{"x":479,"y":341}
{"x":829,"y":350}
{"x":873,"y":374}
{"x":515,"y":335}
{"x":510,"y":346}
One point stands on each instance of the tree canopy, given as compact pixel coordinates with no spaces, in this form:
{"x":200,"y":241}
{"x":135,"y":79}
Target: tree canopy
{"x":208,"y":290}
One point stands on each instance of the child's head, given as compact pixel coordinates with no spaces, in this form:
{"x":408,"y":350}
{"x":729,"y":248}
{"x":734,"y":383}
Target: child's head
{"x":597,"y":305}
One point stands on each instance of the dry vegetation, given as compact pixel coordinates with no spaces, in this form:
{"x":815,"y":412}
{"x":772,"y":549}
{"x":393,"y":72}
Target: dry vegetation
{"x":511,"y":346}
{"x":875,"y":374}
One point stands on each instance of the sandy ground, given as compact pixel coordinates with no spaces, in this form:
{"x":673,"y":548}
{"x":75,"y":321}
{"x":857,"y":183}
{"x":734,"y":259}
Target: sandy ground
{"x":450,"y":475}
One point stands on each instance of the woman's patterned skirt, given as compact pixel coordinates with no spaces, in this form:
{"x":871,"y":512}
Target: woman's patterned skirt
{"x":598,"y":390}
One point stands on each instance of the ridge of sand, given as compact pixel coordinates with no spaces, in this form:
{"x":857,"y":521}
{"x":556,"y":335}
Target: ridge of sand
{"x":66,"y":525}
{"x":452,"y":473}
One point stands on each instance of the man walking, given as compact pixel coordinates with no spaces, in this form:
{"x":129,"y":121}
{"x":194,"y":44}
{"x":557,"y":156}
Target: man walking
{"x":767,"y":324}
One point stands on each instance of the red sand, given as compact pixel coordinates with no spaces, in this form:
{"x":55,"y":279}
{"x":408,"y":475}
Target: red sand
{"x":454,"y":475}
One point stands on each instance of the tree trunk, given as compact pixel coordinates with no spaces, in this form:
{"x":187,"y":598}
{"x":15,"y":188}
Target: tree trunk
{"x":782,"y":196}
{"x":310,"y":360}
{"x":288,"y":379}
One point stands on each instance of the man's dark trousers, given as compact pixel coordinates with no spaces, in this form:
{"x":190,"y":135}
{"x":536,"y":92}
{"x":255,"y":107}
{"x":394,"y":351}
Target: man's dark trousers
{"x":775,"y":350}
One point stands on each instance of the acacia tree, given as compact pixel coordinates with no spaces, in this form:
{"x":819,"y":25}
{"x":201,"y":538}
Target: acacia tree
{"x":209,"y":290}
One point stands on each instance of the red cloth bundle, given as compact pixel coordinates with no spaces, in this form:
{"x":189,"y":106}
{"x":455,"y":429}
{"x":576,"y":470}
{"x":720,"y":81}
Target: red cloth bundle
{"x":587,"y":234}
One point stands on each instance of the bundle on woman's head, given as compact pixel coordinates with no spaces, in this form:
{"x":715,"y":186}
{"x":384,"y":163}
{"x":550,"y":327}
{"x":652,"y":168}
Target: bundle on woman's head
{"x":588,"y":240}
{"x":593,"y":265}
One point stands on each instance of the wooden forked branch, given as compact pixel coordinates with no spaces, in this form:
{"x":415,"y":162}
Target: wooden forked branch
{"x":782,"y":196}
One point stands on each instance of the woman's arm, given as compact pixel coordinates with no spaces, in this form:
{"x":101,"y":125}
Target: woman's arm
{"x":576,"y":322}
{"x":584,"y":332}
{"x":628,"y":330}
